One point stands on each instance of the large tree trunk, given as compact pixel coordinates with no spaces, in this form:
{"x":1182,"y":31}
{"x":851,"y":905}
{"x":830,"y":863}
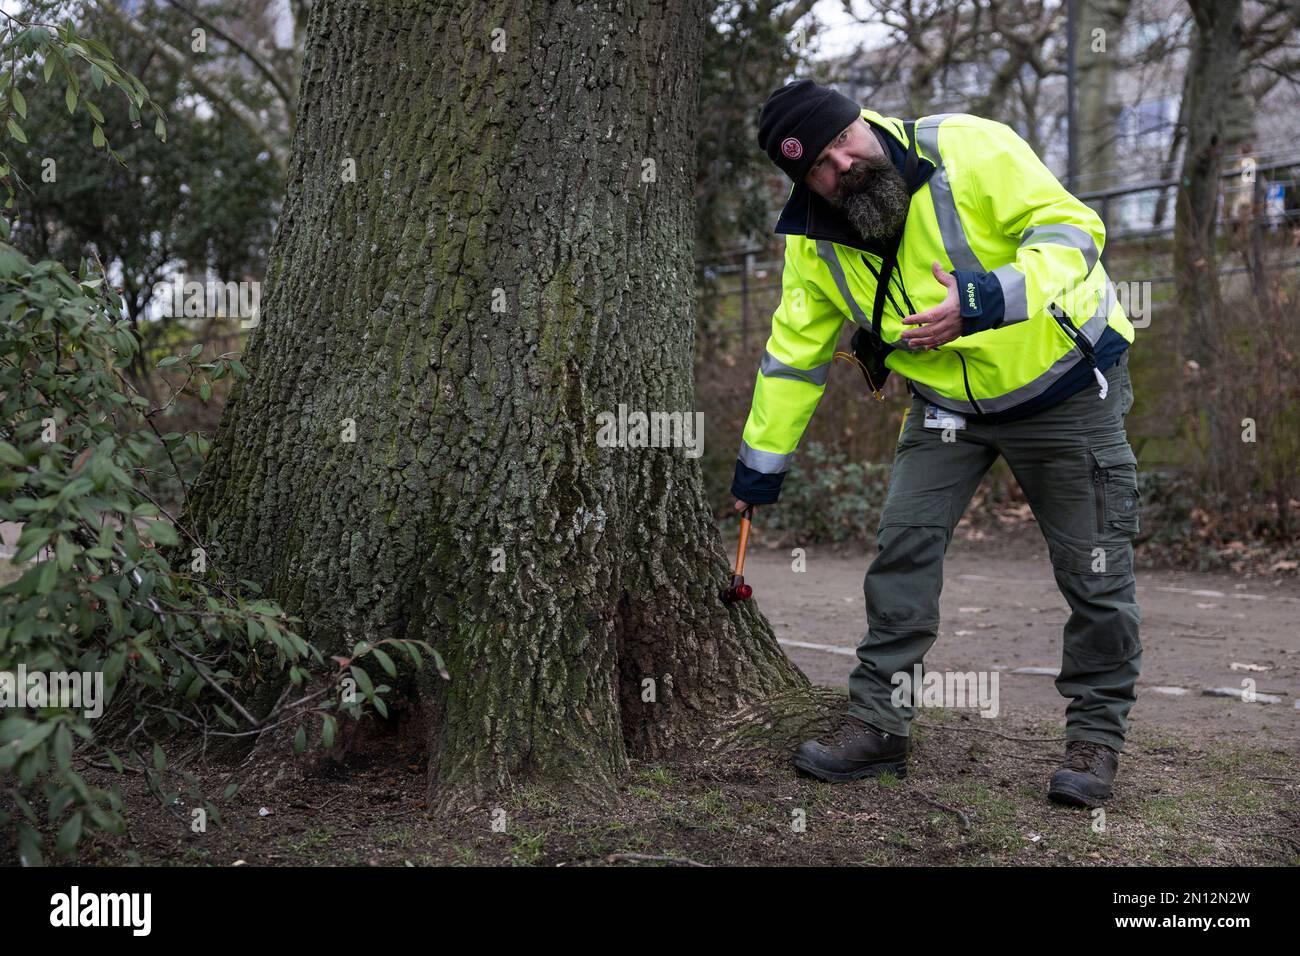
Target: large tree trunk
{"x":513,"y":258}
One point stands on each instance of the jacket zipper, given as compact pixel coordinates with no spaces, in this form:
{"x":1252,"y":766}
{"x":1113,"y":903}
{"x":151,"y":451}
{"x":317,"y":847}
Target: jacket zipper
{"x":966,"y":381}
{"x":1076,"y":337}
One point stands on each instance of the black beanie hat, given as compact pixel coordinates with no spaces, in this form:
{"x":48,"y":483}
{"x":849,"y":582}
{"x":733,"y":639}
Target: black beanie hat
{"x":797,"y":122}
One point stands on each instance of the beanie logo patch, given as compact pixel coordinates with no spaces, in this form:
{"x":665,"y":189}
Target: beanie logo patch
{"x":791,"y":148}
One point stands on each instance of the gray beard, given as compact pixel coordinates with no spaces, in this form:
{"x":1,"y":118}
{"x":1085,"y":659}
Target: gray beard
{"x":876,"y":199}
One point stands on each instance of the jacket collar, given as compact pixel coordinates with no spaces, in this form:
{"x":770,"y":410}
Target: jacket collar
{"x":808,"y":214}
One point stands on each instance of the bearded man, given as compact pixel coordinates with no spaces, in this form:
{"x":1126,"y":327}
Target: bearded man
{"x":976,"y":276}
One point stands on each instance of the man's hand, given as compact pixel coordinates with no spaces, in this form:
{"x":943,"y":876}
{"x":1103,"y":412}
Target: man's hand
{"x":742,"y":505}
{"x":940,"y":324}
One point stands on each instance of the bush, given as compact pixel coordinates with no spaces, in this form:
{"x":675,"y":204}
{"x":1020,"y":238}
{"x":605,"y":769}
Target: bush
{"x":82,"y":462}
{"x":827,"y":498}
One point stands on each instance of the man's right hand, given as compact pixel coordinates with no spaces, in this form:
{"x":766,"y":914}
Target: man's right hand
{"x":742,"y":505}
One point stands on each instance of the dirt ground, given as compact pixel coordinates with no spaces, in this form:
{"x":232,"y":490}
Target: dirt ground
{"x":1205,"y":780}
{"x":974,"y":795}
{"x":1001,"y":610}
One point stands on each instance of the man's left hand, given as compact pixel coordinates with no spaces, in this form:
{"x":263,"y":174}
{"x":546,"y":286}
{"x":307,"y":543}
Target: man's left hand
{"x":940,"y":324}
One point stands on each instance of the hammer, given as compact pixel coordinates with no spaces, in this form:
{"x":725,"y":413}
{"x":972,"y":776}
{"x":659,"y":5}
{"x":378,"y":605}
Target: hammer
{"x":738,"y":590}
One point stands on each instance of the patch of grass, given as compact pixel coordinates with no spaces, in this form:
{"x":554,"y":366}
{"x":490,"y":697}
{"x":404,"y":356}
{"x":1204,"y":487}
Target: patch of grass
{"x":528,"y":848}
{"x":888,"y":781}
{"x":658,"y":776}
{"x":1174,"y":805}
{"x":314,"y":845}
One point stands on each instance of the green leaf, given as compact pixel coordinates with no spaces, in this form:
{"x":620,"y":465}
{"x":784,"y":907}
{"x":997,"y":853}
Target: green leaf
{"x":363,"y":681}
{"x":150,"y":660}
{"x":300,"y":741}
{"x":61,"y":801}
{"x":328,"y":727}
{"x":69,"y":834}
{"x":16,"y":131}
{"x":97,"y":137}
{"x":29,"y":846}
{"x":159,"y":758}
{"x":49,"y":577}
{"x":9,"y":455}
{"x":33,"y":738}
{"x":65,"y":552}
{"x":163,"y":533}
{"x":20,"y":104}
{"x":414,"y":653}
{"x":160,"y":129}
{"x":32,"y":539}
{"x":63,"y":747}
{"x":70,"y":97}
{"x":385,"y":661}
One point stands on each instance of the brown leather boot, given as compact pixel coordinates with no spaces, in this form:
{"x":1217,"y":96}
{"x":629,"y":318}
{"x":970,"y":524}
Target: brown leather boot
{"x":1085,"y":776}
{"x":854,"y":751}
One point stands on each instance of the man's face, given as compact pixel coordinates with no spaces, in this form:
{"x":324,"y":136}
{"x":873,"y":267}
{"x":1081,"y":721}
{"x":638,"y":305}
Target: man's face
{"x":854,"y":174}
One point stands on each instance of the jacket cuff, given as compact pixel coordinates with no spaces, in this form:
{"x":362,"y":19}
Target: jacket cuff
{"x":982,"y":305}
{"x":754,"y":486}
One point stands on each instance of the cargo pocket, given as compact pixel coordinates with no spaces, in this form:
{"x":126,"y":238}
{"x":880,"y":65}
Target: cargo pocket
{"x":1115,"y":492}
{"x":912,"y":509}
{"x":904,"y":581}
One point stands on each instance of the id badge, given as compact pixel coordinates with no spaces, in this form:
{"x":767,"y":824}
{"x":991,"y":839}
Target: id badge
{"x":936,"y":417}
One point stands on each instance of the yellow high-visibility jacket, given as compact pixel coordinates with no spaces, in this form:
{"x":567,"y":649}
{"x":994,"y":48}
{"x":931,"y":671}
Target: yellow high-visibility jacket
{"x":1027,"y":258}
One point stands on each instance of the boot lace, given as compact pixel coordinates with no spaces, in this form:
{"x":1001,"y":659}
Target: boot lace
{"x":848,"y":729}
{"x":1084,"y":755}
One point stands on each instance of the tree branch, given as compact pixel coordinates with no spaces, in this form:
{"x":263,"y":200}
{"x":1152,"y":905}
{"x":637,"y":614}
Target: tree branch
{"x":219,"y":97}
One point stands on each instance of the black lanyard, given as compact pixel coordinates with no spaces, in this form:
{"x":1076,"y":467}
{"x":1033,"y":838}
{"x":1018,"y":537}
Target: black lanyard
{"x":890,"y":259}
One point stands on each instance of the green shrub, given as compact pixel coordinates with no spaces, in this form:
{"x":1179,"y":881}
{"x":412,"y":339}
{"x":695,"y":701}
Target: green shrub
{"x":100,"y":592}
{"x":827,"y":498}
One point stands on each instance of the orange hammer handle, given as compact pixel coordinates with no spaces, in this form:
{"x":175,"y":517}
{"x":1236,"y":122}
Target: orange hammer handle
{"x":744,"y":541}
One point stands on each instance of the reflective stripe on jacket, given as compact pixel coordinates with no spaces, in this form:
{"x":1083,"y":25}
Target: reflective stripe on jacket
{"x":1023,"y":250}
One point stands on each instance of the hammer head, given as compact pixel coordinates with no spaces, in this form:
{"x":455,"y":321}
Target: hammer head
{"x":738,"y":590}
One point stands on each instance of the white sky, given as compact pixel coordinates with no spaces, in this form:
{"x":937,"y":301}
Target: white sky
{"x":840,"y":34}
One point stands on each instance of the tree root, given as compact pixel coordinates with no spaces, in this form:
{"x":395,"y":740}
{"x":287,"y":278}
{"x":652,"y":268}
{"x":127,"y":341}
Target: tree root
{"x":959,"y":814}
{"x":777,"y":723}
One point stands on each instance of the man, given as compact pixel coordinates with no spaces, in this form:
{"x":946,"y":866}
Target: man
{"x":977,"y":278}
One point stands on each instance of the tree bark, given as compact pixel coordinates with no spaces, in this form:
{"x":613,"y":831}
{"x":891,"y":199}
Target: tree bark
{"x":1215,"y":59}
{"x":513,"y":258}
{"x":1098,"y":109}
{"x":1216,"y":51}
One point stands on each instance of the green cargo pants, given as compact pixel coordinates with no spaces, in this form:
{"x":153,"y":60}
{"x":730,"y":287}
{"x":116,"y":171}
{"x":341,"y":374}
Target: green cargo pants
{"x":1075,"y":466}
